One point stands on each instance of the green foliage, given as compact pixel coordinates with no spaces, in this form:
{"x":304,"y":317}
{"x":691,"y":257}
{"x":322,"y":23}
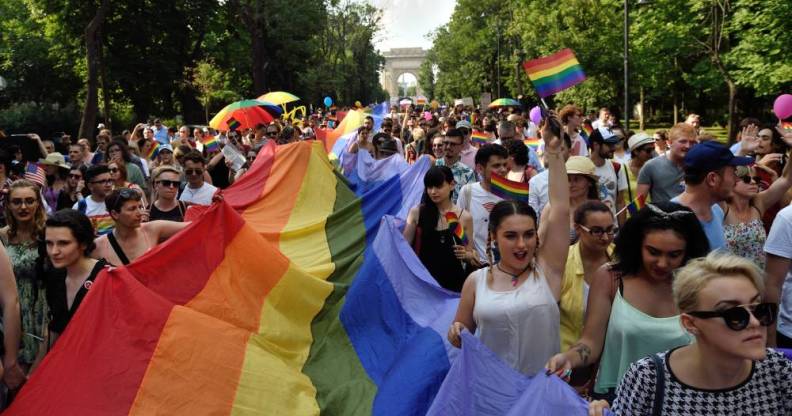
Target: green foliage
{"x":212,"y":85}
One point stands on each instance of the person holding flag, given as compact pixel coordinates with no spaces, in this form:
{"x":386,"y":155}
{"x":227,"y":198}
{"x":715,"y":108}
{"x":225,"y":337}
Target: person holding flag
{"x":437,"y":229}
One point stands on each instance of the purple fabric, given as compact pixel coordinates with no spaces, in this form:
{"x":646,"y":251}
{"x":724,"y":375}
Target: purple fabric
{"x":787,"y":352}
{"x":479,"y":383}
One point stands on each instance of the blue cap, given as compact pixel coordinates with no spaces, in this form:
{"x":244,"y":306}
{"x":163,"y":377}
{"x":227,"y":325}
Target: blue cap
{"x":711,"y":155}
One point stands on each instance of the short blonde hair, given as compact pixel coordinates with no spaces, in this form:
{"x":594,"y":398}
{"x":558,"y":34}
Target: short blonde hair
{"x":697,"y":273}
{"x":682,"y":129}
{"x":162,"y":169}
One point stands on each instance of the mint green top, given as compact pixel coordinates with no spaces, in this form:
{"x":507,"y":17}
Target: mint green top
{"x":632,"y":335}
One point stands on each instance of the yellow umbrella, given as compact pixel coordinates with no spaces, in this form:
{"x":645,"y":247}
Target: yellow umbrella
{"x":279,"y":97}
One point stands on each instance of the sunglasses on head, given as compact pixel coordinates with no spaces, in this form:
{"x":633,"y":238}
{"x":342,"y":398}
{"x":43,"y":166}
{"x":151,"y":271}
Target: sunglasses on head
{"x":737,"y":318}
{"x":168,"y":184}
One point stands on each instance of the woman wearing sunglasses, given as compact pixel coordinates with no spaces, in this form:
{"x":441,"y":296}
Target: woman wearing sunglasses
{"x":727,"y":370}
{"x":166,"y":187}
{"x":742,"y":224}
{"x":630,"y":312}
{"x":118,"y":172}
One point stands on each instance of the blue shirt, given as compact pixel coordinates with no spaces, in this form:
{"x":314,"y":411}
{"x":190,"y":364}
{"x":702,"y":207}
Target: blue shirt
{"x":713,"y":228}
{"x":161,"y":134}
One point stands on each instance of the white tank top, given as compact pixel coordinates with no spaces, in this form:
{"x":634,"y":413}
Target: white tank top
{"x":522,"y":326}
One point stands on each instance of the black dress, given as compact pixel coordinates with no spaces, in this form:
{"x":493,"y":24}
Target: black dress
{"x":437,"y":254}
{"x":60,"y":313}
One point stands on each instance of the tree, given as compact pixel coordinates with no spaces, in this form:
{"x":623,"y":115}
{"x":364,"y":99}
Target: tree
{"x":212,"y":85}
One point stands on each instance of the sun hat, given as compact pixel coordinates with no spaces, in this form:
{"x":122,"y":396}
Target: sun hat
{"x":55,"y":159}
{"x":581,"y":165}
{"x":639,"y":139}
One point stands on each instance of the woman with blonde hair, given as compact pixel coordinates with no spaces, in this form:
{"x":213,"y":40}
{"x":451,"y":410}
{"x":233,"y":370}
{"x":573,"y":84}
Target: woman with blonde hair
{"x":728,"y":370}
{"x":165,"y":185}
{"x":26,"y":216}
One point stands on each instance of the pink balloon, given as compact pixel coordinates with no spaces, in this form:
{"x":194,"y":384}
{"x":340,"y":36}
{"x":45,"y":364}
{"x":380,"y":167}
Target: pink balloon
{"x":536,"y":115}
{"x":783,"y":106}
{"x":427,"y":115}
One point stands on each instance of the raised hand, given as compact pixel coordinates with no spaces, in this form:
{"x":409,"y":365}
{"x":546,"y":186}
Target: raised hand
{"x":552,"y":141}
{"x":749,"y":139}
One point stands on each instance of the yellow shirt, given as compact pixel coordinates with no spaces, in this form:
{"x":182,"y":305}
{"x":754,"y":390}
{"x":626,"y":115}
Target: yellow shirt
{"x":573,"y":304}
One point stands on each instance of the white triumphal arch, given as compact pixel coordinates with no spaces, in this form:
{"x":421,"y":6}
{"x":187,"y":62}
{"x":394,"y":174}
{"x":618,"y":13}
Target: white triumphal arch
{"x":399,"y":61}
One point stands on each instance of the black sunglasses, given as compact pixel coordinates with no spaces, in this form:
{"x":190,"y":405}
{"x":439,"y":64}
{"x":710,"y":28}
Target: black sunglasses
{"x":168,"y":184}
{"x":738,"y":317}
{"x":747,"y":179}
{"x":193,"y":171}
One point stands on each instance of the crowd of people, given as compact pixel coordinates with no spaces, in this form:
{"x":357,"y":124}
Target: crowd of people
{"x":647,"y":270}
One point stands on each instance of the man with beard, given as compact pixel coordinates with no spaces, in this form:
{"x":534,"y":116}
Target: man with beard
{"x":131,"y":238}
{"x":612,"y":180}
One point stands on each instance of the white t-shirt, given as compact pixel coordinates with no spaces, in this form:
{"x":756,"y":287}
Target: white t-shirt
{"x":200,"y":196}
{"x":97,"y":212}
{"x":474,"y":199}
{"x":779,"y":243}
{"x":537,"y":191}
{"x":609,"y":184}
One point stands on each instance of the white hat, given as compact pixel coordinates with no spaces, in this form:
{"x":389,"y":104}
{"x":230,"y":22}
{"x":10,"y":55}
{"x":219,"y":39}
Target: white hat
{"x":639,"y":139}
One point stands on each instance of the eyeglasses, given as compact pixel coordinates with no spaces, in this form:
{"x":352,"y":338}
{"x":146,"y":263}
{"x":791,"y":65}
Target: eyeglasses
{"x":738,"y":317}
{"x":113,"y":170}
{"x":599,"y":231}
{"x":272,"y":133}
{"x":748,"y":178}
{"x":18,"y":202}
{"x":193,"y":171}
{"x":105,"y":182}
{"x":647,"y":149}
{"x":168,"y":184}
{"x":446,"y":143}
{"x":73,"y":176}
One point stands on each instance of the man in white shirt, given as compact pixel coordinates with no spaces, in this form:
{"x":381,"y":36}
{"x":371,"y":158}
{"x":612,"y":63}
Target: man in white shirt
{"x":197,"y":191}
{"x":612,"y":179}
{"x":602,"y":121}
{"x":778,"y":286}
{"x":476,"y":197}
{"x":99,"y":182}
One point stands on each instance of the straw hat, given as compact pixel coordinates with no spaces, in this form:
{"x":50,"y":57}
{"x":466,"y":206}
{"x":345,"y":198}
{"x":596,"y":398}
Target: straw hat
{"x":581,"y":165}
{"x":639,"y":139}
{"x":54,"y":159}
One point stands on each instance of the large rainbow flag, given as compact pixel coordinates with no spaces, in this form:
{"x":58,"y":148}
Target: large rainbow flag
{"x":293,"y":296}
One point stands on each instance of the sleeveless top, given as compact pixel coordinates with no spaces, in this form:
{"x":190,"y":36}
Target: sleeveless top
{"x":33,"y":310}
{"x":521,"y":325}
{"x":175,"y":214}
{"x":632,"y":335}
{"x":747,"y":239}
{"x":437,"y":255}
{"x":60,"y":312}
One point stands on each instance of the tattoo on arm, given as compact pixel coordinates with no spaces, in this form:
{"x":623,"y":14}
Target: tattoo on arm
{"x":583,"y":351}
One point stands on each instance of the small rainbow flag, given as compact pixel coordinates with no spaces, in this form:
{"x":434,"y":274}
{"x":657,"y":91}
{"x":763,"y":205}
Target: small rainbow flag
{"x":456,"y":228}
{"x":211,"y":144}
{"x":507,"y":189}
{"x":481,"y":137}
{"x":786,"y":125}
{"x":532,"y":142}
{"x":233,"y":124}
{"x":153,"y":151}
{"x":588,"y":128}
{"x":637,"y":204}
{"x":554,"y":73}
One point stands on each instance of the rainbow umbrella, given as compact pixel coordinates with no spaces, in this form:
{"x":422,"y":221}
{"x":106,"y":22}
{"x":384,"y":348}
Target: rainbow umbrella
{"x":279,"y":97}
{"x":244,"y":114}
{"x":505,"y":102}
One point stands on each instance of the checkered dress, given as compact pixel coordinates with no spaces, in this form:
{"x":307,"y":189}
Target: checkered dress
{"x":768,"y":391}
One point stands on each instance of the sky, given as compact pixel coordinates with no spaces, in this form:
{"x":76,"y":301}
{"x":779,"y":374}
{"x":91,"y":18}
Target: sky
{"x":405,"y":23}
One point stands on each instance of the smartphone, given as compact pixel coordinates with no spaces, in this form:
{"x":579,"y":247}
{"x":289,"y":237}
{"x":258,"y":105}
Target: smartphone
{"x":555,"y":127}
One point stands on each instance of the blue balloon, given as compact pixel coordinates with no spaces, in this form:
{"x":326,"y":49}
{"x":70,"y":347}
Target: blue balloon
{"x":328,"y":101}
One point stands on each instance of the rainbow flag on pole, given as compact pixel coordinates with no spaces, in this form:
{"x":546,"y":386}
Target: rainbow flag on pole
{"x":480,"y":137}
{"x":211,"y":144}
{"x":554,"y":73}
{"x":533,"y":143}
{"x":302,"y":298}
{"x":507,"y":189}
{"x":636,"y":205}
{"x":456,"y":227}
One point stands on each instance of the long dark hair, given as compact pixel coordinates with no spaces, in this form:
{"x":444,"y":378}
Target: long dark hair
{"x":658,"y":217}
{"x":428,"y":214}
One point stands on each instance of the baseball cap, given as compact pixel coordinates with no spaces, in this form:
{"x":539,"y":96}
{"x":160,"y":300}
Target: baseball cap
{"x":166,"y":148}
{"x":464,"y":124}
{"x":639,"y":139}
{"x":710,"y":156}
{"x":604,"y":135}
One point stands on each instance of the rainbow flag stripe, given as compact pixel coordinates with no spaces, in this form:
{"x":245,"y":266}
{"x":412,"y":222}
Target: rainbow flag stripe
{"x":554,"y":73}
{"x":153,"y":150}
{"x":233,"y":124}
{"x":211,"y":144}
{"x":786,"y":125}
{"x":637,"y":204}
{"x":507,"y":189}
{"x":301,"y":299}
{"x":456,"y":227}
{"x":480,"y":137}
{"x":532,"y":142}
